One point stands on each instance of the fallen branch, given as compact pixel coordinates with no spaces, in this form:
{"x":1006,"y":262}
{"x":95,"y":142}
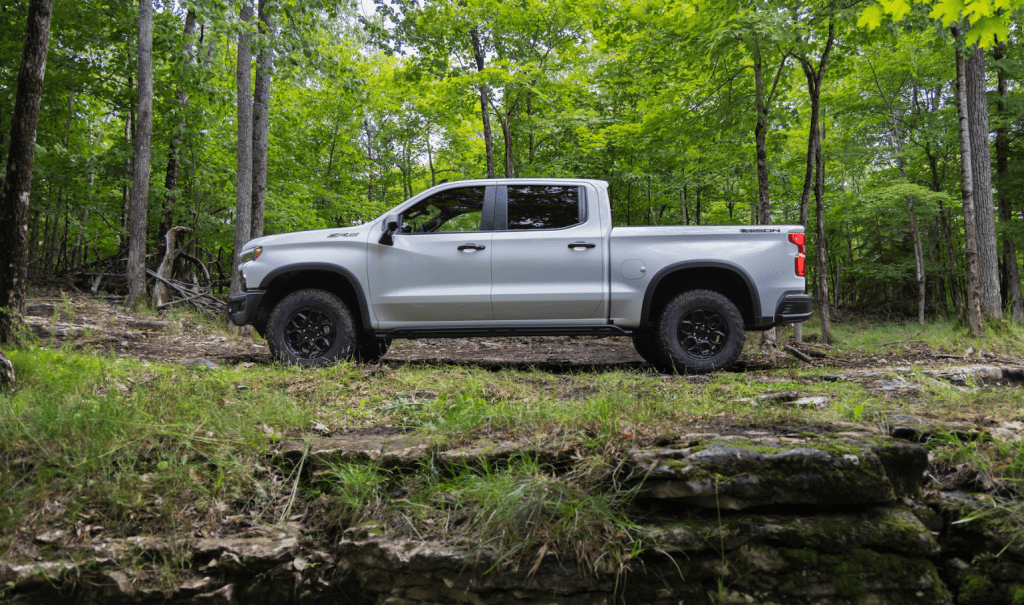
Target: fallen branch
{"x":798,"y":354}
{"x":911,"y":339}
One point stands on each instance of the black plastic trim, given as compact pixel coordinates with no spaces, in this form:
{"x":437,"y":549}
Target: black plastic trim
{"x":242,"y":308}
{"x":759,"y":322}
{"x":794,"y":308}
{"x":470,"y":332}
{"x":364,"y":309}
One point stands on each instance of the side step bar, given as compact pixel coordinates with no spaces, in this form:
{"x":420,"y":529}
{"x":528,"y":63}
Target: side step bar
{"x":413,"y":333}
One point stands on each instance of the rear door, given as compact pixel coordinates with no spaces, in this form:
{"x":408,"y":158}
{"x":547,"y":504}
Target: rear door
{"x":548,"y":262}
{"x":439,"y":269}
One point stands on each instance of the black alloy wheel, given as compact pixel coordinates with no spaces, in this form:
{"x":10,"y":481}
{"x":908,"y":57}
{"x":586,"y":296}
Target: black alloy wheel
{"x":310,"y":333}
{"x":703,"y":332}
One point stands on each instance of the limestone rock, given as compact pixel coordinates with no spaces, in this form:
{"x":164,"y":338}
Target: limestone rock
{"x":735,"y":475}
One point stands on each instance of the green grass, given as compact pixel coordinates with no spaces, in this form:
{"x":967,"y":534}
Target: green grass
{"x":141,"y":447}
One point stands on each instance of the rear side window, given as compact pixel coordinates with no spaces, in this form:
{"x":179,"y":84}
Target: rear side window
{"x":543,"y":206}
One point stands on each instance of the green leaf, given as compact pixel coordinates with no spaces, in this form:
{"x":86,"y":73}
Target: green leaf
{"x":948,"y":11}
{"x":897,"y":8}
{"x":871,"y":17}
{"x":985,"y":30}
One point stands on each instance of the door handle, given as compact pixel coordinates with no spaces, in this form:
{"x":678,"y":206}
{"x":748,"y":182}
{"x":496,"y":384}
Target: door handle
{"x":578,"y":245}
{"x":470,"y":247}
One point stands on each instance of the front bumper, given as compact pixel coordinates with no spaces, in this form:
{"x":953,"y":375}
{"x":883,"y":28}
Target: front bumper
{"x":242,"y":308}
{"x":794,"y":308}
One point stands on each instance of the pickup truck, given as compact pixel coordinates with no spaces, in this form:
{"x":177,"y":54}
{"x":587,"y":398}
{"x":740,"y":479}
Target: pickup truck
{"x":520,"y":257}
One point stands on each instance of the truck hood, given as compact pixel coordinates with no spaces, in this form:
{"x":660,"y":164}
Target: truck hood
{"x":296,"y":237}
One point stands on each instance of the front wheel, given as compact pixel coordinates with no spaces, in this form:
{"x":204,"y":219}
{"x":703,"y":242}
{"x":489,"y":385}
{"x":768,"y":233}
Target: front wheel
{"x":646,"y":345}
{"x":700,"y":331}
{"x":311,"y":328}
{"x":371,"y":349}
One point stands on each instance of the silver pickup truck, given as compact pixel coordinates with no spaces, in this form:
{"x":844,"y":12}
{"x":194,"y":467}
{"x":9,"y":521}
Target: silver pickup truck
{"x":520,"y":257}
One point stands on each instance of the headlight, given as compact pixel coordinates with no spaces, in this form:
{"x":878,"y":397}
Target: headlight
{"x":250,"y":255}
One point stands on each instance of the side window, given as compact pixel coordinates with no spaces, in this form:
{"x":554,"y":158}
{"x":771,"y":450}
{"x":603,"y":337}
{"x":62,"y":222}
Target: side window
{"x":449,"y":211}
{"x":543,"y":206}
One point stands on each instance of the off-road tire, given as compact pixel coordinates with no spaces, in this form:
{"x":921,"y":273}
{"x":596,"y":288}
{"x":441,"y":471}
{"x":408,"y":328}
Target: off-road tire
{"x":646,"y":345}
{"x":372,"y":349}
{"x":700,"y":331}
{"x":311,"y":328}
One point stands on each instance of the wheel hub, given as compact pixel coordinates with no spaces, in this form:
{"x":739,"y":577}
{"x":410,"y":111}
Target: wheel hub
{"x":703,"y":332}
{"x":310,"y":333}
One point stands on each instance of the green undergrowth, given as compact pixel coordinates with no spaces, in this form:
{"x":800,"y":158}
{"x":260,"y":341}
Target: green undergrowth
{"x":510,"y":514}
{"x":89,"y":439}
{"x":946,"y":336}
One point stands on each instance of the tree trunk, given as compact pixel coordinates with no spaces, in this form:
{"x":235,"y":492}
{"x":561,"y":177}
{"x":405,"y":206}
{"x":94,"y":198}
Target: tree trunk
{"x":261,"y":124}
{"x":478,"y":54}
{"x":243,"y":177}
{"x":763,"y":106}
{"x":506,"y":131}
{"x":981,"y":172}
{"x":915,"y":233}
{"x":1013,"y":292}
{"x":140,"y":163}
{"x":821,"y":255}
{"x":173,"y":163}
{"x":974,"y":316}
{"x":761,"y":143}
{"x":814,"y":79}
{"x":17,"y":185}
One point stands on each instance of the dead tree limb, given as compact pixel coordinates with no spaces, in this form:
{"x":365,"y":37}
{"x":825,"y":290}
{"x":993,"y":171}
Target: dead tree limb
{"x":798,"y":354}
{"x":160,"y":293}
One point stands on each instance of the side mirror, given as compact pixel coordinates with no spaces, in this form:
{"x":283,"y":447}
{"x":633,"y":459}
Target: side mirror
{"x":389,"y":227}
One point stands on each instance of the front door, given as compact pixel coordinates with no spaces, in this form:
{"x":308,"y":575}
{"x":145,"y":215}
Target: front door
{"x":438,"y":271}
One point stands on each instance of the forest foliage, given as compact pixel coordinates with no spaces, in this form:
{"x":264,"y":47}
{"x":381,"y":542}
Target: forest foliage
{"x":371,"y":104}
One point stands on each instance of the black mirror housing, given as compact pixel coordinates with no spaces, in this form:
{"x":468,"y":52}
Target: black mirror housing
{"x":389,"y":227}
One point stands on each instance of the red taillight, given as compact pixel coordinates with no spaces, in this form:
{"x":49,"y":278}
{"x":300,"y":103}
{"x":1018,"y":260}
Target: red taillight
{"x":798,"y":239}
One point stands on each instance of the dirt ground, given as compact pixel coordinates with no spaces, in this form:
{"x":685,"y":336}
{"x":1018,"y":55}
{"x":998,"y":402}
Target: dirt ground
{"x":102,"y":324}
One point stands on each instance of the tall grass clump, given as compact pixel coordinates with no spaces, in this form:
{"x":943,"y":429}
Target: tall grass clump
{"x":518,"y":514}
{"x":120,"y":440}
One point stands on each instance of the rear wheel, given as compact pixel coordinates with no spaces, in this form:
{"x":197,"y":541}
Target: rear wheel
{"x":700,"y":331}
{"x":311,"y":328}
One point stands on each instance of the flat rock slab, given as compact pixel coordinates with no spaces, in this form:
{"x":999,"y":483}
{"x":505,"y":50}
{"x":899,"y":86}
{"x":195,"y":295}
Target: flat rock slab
{"x":878,"y":555}
{"x":389,"y":450}
{"x":737,"y":475}
{"x":890,"y":528}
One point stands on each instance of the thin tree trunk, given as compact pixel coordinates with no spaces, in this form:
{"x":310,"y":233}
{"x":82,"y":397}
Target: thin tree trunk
{"x":243,"y":177}
{"x":430,"y":159}
{"x":1013,"y":292}
{"x":173,"y":161}
{"x":821,"y":243}
{"x":956,"y":292}
{"x":974,"y":315}
{"x":261,"y":123}
{"x":763,"y":102}
{"x":126,"y":191}
{"x":506,"y":131}
{"x":17,"y":185}
{"x":140,"y":163}
{"x":478,"y":54}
